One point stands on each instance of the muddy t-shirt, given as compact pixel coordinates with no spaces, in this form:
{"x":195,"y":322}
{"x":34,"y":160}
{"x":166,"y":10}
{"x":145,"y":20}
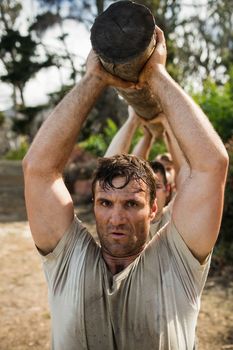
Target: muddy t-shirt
{"x":152,"y":304}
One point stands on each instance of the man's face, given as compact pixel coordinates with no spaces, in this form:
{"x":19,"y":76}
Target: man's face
{"x":162,"y":193}
{"x":123,"y":217}
{"x":170,"y":171}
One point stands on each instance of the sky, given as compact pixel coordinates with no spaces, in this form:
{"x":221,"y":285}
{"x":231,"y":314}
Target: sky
{"x":48,"y":80}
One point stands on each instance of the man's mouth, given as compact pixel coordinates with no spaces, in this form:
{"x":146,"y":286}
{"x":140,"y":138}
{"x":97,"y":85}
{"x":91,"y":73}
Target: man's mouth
{"x":117,"y":235}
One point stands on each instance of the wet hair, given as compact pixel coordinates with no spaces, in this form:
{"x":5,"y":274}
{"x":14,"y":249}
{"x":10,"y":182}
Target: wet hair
{"x":128,"y":166}
{"x":159,"y":168}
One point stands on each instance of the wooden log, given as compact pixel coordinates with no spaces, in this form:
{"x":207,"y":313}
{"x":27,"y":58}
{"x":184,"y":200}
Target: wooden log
{"x":123,"y":38}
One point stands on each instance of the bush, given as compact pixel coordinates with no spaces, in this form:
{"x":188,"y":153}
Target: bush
{"x":98,"y":144}
{"x":217,"y":102}
{"x":19,"y":153}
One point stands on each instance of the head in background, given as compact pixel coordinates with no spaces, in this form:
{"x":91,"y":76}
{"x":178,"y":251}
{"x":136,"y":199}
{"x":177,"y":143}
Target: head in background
{"x":166,"y":160}
{"x":163,"y":188}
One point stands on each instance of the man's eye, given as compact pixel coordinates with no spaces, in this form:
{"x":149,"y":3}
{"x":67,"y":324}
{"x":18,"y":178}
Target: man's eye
{"x":131,"y":204}
{"x":106,"y":203}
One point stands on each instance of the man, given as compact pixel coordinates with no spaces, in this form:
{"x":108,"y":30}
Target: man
{"x":126,"y":294}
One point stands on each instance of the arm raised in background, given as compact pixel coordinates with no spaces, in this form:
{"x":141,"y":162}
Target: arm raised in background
{"x":143,"y":147}
{"x":122,"y":140}
{"x":49,"y":204}
{"x":197,"y":209}
{"x":181,"y":166}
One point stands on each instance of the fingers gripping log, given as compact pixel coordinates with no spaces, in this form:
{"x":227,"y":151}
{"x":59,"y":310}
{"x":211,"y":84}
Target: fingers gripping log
{"x":123,"y":38}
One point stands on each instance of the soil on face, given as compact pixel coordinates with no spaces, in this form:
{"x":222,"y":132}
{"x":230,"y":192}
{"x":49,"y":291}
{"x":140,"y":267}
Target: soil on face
{"x":24,"y":313}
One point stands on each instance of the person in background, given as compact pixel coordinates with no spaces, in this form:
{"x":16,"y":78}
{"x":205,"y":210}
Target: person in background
{"x":166,"y":160}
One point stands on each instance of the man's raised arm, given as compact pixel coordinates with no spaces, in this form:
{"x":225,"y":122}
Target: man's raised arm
{"x":180,"y":163}
{"x":198,"y":206}
{"x":49,"y":204}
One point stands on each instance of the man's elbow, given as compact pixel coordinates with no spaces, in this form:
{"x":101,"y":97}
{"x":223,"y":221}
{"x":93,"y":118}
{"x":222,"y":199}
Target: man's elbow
{"x":221,"y":162}
{"x":31,"y":166}
{"x":28,"y":166}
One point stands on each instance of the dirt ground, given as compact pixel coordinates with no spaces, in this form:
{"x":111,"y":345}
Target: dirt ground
{"x":24,"y":313}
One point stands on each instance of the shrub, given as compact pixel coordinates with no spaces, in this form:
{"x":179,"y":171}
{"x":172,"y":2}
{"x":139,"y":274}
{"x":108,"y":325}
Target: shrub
{"x":19,"y":153}
{"x":97,"y":144}
{"x":217,"y":102}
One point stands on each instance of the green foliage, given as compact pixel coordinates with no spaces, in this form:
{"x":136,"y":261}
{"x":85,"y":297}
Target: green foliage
{"x":110,"y":130}
{"x":97,"y":144}
{"x":138,"y":134}
{"x":216,"y":101}
{"x":19,"y":153}
{"x":157,"y":148}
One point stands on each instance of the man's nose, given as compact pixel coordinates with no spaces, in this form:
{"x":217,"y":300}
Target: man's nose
{"x":117,"y":216}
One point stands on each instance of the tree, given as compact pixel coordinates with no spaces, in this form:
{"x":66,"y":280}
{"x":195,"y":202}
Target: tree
{"x":18,"y":52}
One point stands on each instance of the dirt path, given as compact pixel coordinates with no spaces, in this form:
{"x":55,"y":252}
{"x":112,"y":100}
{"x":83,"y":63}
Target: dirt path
{"x":24,"y":315}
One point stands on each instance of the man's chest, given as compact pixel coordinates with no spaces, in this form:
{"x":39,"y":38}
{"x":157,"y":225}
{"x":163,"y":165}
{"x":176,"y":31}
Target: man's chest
{"x":138,"y":311}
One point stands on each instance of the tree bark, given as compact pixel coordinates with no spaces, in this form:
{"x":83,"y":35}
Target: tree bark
{"x":123,"y":38}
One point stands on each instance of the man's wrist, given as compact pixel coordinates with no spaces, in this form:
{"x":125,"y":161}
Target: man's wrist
{"x":159,"y":80}
{"x":133,"y":120}
{"x":96,"y":79}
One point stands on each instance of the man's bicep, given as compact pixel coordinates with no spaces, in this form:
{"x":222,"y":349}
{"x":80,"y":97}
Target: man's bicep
{"x":50,"y":211}
{"x":197,"y":212}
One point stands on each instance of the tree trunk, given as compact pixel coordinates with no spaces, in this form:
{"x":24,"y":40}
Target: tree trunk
{"x":20,"y":87}
{"x":123,"y":38}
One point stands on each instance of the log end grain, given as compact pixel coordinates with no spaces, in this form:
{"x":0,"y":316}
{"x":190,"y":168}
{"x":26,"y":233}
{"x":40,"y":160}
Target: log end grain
{"x":122,"y":32}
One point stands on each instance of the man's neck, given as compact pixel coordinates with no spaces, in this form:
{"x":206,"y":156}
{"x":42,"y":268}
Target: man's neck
{"x":116,"y":264}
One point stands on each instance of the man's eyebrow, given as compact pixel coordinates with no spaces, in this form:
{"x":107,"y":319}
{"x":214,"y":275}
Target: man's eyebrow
{"x":103,"y":199}
{"x":139,"y":190}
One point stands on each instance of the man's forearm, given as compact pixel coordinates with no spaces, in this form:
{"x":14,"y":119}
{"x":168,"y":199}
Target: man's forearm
{"x":199,"y":142}
{"x":53,"y":144}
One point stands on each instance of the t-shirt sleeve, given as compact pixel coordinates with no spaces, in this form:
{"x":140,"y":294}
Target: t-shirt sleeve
{"x":191,"y":274}
{"x":69,"y":253}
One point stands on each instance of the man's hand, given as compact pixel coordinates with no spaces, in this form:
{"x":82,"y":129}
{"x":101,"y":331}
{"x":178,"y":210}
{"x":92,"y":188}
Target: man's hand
{"x":159,"y":119}
{"x":94,"y":67}
{"x":156,"y":61}
{"x":133,"y":117}
{"x":155,"y":126}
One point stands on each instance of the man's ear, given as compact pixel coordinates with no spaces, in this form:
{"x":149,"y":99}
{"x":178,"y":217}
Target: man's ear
{"x":153,"y":210}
